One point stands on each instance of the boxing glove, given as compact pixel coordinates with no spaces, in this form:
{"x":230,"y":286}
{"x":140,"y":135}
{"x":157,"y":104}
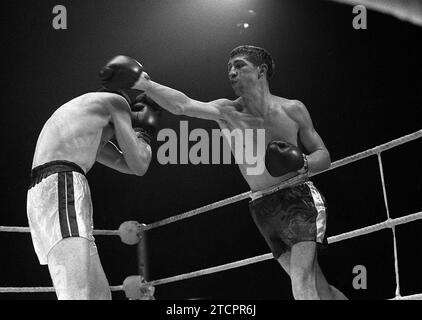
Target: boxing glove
{"x":146,"y":117}
{"x":121,"y":72}
{"x":282,"y":158}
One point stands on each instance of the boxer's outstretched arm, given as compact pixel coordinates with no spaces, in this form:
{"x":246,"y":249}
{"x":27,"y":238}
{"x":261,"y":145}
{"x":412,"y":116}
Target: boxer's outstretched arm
{"x":318,"y":157}
{"x":136,"y":152}
{"x":179,"y":103}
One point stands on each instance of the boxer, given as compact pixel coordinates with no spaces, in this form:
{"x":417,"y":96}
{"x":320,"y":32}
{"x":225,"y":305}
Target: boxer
{"x":292,"y":220}
{"x":78,"y":134}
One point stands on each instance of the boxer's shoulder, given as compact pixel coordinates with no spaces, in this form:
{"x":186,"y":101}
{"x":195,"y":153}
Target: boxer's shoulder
{"x":292,"y":107}
{"x":225,"y":103}
{"x":102,"y":99}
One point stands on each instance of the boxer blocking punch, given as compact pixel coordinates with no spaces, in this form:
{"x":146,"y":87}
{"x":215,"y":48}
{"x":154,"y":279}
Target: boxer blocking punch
{"x":77,"y":135}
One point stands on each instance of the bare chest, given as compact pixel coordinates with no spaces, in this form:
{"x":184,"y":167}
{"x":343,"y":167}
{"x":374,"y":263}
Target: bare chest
{"x":257,"y":130}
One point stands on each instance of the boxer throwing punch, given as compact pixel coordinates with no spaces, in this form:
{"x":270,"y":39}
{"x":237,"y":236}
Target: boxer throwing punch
{"x":78,"y":134}
{"x":291,"y":220}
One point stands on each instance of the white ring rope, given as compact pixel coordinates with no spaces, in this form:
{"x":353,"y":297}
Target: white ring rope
{"x":410,"y":297}
{"x":389,"y":223}
{"x":197,"y":211}
{"x":393,"y":229}
{"x":375,"y":227}
{"x":336,"y":164}
{"x":41,"y":289}
{"x":344,"y":236}
{"x":27,"y":230}
{"x":248,"y":194}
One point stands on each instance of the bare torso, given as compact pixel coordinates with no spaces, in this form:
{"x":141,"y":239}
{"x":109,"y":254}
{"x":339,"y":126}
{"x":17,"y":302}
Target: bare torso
{"x":277,"y":125}
{"x":75,"y":132}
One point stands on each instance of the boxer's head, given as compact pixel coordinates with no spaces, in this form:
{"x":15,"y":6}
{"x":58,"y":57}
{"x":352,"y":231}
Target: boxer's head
{"x":142,"y":101}
{"x":259,"y":57}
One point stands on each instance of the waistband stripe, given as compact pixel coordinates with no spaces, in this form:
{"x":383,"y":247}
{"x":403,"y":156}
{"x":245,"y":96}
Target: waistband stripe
{"x":67,"y":214}
{"x":45,"y":170}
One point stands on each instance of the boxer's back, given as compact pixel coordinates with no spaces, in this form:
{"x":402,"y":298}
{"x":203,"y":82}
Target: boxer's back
{"x":73,"y":132}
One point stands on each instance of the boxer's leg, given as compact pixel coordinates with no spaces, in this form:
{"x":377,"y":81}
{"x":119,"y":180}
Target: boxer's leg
{"x":325,"y":290}
{"x":100,"y":288}
{"x":69,"y":265}
{"x":303,"y":271}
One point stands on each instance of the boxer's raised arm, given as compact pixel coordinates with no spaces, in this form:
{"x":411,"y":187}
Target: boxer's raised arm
{"x":179,"y":103}
{"x":136,"y":152}
{"x":124,"y":72}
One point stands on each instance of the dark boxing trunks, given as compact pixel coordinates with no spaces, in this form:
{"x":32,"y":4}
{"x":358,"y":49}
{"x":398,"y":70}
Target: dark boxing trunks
{"x":289,"y":216}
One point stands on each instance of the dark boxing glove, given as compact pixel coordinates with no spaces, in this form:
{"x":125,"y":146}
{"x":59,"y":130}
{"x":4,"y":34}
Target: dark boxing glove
{"x":121,"y":72}
{"x":146,"y":117}
{"x":119,"y":75}
{"x":282,"y":158}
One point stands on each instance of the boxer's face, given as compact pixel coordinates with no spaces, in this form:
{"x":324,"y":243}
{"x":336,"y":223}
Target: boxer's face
{"x":145,"y":110}
{"x":242,"y":74}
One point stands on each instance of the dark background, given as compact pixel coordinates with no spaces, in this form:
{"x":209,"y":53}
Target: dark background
{"x":361,"y":87}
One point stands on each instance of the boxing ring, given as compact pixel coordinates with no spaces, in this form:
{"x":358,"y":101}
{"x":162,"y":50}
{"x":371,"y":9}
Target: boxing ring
{"x":131,"y":232}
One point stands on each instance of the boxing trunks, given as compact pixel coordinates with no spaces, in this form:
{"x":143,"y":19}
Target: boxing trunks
{"x":289,"y":216}
{"x":58,"y":206}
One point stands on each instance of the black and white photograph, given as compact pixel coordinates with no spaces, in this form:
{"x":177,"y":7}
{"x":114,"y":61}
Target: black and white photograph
{"x":211,"y":155}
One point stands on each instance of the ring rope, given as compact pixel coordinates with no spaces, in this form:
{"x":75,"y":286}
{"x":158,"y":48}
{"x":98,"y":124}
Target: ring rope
{"x":373,"y":151}
{"x":393,"y":229}
{"x":387,"y":224}
{"x":410,"y":297}
{"x":197,"y":211}
{"x":41,"y":289}
{"x":120,"y":288}
{"x":336,"y":164}
{"x":227,"y":266}
{"x":242,"y":196}
{"x":27,"y":230}
{"x":390,"y":223}
{"x":375,"y":227}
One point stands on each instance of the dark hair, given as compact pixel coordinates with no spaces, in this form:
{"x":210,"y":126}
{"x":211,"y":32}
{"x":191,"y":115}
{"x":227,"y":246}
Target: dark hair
{"x":257,"y":56}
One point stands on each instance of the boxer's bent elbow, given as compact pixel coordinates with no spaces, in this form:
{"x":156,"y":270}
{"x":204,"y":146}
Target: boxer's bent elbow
{"x":141,"y":160}
{"x":327,"y":162}
{"x":140,"y":173}
{"x":140,"y":167}
{"x":139,"y":170}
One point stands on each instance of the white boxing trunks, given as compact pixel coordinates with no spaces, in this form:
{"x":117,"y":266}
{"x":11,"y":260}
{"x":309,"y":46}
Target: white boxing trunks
{"x":58,"y":206}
